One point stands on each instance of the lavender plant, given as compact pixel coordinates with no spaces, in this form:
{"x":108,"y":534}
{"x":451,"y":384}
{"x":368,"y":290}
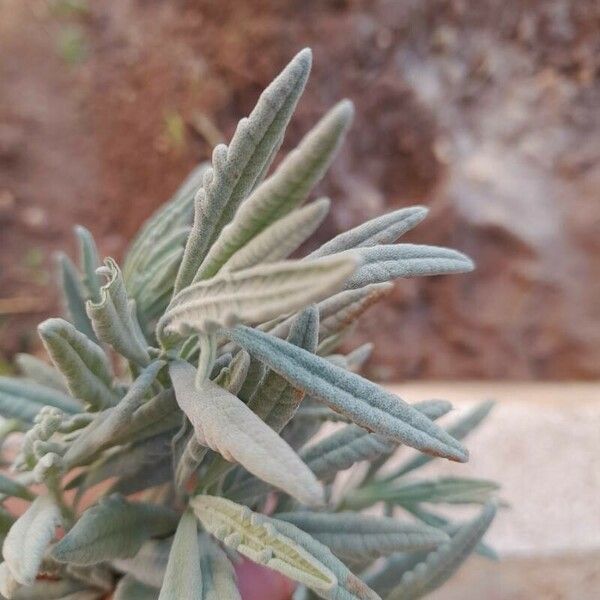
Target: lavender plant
{"x":186,"y":389}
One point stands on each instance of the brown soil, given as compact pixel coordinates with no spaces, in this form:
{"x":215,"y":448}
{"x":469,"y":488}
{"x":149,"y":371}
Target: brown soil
{"x":481,"y":110}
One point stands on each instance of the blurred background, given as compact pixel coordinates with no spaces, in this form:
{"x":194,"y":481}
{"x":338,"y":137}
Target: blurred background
{"x":486,"y":111}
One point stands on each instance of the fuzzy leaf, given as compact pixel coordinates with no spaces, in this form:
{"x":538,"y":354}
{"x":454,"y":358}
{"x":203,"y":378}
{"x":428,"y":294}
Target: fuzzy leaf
{"x":89,"y":263}
{"x":82,"y":363}
{"x":218,"y":576}
{"x":174,"y":215}
{"x":114,"y":317}
{"x":343,"y":309}
{"x":255,"y":294}
{"x":149,"y":564}
{"x":183,"y":580}
{"x":286,"y":189}
{"x":117,"y":424}
{"x":281,"y":238}
{"x":74,"y":297}
{"x":445,"y":490}
{"x":367,"y":404}
{"x":225,"y":424}
{"x":22,"y":399}
{"x":237,"y":168}
{"x":253,"y":535}
{"x":40,"y":372}
{"x":384,"y":263}
{"x":12,"y":488}
{"x":349,"y":587}
{"x":354,"y":536}
{"x":443,"y":562}
{"x":130,"y":589}
{"x":458,"y":430}
{"x":275,"y":400}
{"x":28,"y":538}
{"x":385,"y":229}
{"x":113,"y":528}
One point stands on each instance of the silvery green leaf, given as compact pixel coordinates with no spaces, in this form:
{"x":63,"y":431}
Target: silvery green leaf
{"x":344,"y":308}
{"x":317,"y":413}
{"x":90,"y":594}
{"x":40,"y":372}
{"x":149,"y":564}
{"x":83,"y":364}
{"x":255,"y":374}
{"x":74,"y":296}
{"x":276,"y":400}
{"x":286,"y":189}
{"x":114,"y":317}
{"x":367,"y":404}
{"x":385,"y":229}
{"x":237,"y":168}
{"x":145,"y":477}
{"x":176,"y":214}
{"x":130,"y":589}
{"x":355,"y":536}
{"x":225,"y":424}
{"x":52,"y":590}
{"x":445,"y":490}
{"x":218,"y":576}
{"x":458,"y":430}
{"x":8,"y":584}
{"x":113,"y":528}
{"x":117,"y":424}
{"x":89,"y":263}
{"x":384,"y":263}
{"x":11,"y":488}
{"x":385,"y":576}
{"x":28,"y":538}
{"x":281,"y":238}
{"x":349,"y":587}
{"x":255,"y":295}
{"x":254,"y":536}
{"x":439,"y":565}
{"x":23,"y":399}
{"x":232,"y":376}
{"x":183,"y":580}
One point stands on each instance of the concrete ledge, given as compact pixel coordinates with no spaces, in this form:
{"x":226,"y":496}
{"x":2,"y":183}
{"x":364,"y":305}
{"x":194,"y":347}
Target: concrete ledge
{"x":542,"y":443}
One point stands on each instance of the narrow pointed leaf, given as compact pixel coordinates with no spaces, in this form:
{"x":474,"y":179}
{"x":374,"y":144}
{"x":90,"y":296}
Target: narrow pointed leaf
{"x":349,"y":586}
{"x":281,"y":238}
{"x":28,"y":538}
{"x":40,"y":372}
{"x":255,"y":295}
{"x":443,"y":562}
{"x":11,"y":488}
{"x":254,"y":535}
{"x":458,"y":430}
{"x":237,"y":168}
{"x":367,"y":404}
{"x":225,"y":424}
{"x":354,"y":536}
{"x":74,"y":297}
{"x":83,"y":364}
{"x":114,"y":317}
{"x":114,"y":528}
{"x":117,"y":424}
{"x":276,"y":400}
{"x":22,"y":399}
{"x":385,"y":263}
{"x":218,"y":576}
{"x":381,"y":230}
{"x":286,"y":189}
{"x":183,"y":580}
{"x":89,"y":263}
{"x":149,"y":564}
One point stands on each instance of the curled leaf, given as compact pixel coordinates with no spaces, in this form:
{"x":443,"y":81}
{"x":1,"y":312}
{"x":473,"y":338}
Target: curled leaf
{"x":255,"y":536}
{"x":113,"y":528}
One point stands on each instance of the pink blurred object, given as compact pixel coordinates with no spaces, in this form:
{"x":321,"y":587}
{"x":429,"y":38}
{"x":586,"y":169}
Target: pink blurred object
{"x":256,"y":582}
